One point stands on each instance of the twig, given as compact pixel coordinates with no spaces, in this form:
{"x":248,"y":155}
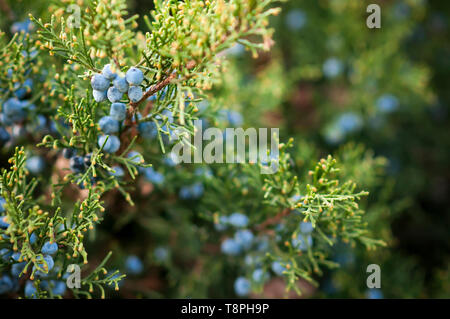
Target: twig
{"x":129,"y":123}
{"x":273,"y":220}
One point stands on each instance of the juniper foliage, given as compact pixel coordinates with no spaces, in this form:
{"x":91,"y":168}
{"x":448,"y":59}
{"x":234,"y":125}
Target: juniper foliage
{"x":286,"y":224}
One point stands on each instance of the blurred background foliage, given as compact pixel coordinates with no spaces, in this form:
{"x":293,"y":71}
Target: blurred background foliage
{"x":377,"y":99}
{"x":358,"y":92}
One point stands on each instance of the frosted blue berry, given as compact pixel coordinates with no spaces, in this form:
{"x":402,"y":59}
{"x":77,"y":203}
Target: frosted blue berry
{"x":302,"y":243}
{"x":35,"y":164}
{"x":5,"y":254}
{"x":49,"y":248}
{"x":17,"y":256}
{"x":349,"y":122}
{"x":20,"y":92}
{"x":230,"y":247}
{"x":295,"y":19}
{"x":13,"y":110}
{"x":333,"y":134}
{"x":263,"y":245}
{"x":332,"y":67}
{"x":135,"y":93}
{"x":108,"y":125}
{"x":30,"y":290}
{"x":22,"y":26}
{"x":76,"y":164}
{"x":112,"y":143}
{"x":344,"y":258}
{"x":242,"y":286}
{"x":69,"y":152}
{"x":238,"y":220}
{"x":259,"y":275}
{"x":192,"y":192}
{"x":197,"y":190}
{"x":171,"y":159}
{"x":306,"y":227}
{"x":45,"y":285}
{"x":135,"y":157}
{"x":87,"y":159}
{"x":114,"y":95}
{"x":134,"y":76}
{"x":118,"y":111}
{"x":387,"y":103}
{"x":153,"y":176}
{"x":165,"y":114}
{"x":45,"y":262}
{"x":185,"y":192}
{"x":147,"y":129}
{"x":134,"y":265}
{"x":5,"y":120}
{"x":121,"y":84}
{"x":18,"y":268}
{"x":278,"y":268}
{"x":3,"y":223}
{"x":374,"y":293}
{"x":59,"y":287}
{"x":99,"y":82}
{"x":6,"y":284}
{"x":118,"y":172}
{"x":108,"y":73}
{"x":99,"y":96}
{"x":244,"y":238}
{"x":222,"y":224}
{"x":116,"y":276}
{"x":33,"y":238}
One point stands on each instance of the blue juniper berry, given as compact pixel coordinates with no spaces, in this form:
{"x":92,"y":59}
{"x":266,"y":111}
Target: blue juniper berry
{"x":134,"y":76}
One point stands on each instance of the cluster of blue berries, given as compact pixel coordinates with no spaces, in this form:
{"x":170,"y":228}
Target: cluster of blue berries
{"x":110,"y":125}
{"x":130,"y":84}
{"x":22,"y":26}
{"x":77,"y":163}
{"x":15,"y":110}
{"x":193,"y":191}
{"x":18,"y":114}
{"x":303,"y":240}
{"x":102,"y":90}
{"x":153,"y":176}
{"x":45,"y":264}
{"x":244,"y":239}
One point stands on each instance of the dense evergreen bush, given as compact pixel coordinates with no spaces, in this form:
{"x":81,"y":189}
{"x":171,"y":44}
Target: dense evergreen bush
{"x":95,"y":94}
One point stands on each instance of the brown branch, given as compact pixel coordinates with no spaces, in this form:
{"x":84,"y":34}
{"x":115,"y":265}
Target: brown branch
{"x":161,"y":85}
{"x":273,"y":220}
{"x":125,"y":137}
